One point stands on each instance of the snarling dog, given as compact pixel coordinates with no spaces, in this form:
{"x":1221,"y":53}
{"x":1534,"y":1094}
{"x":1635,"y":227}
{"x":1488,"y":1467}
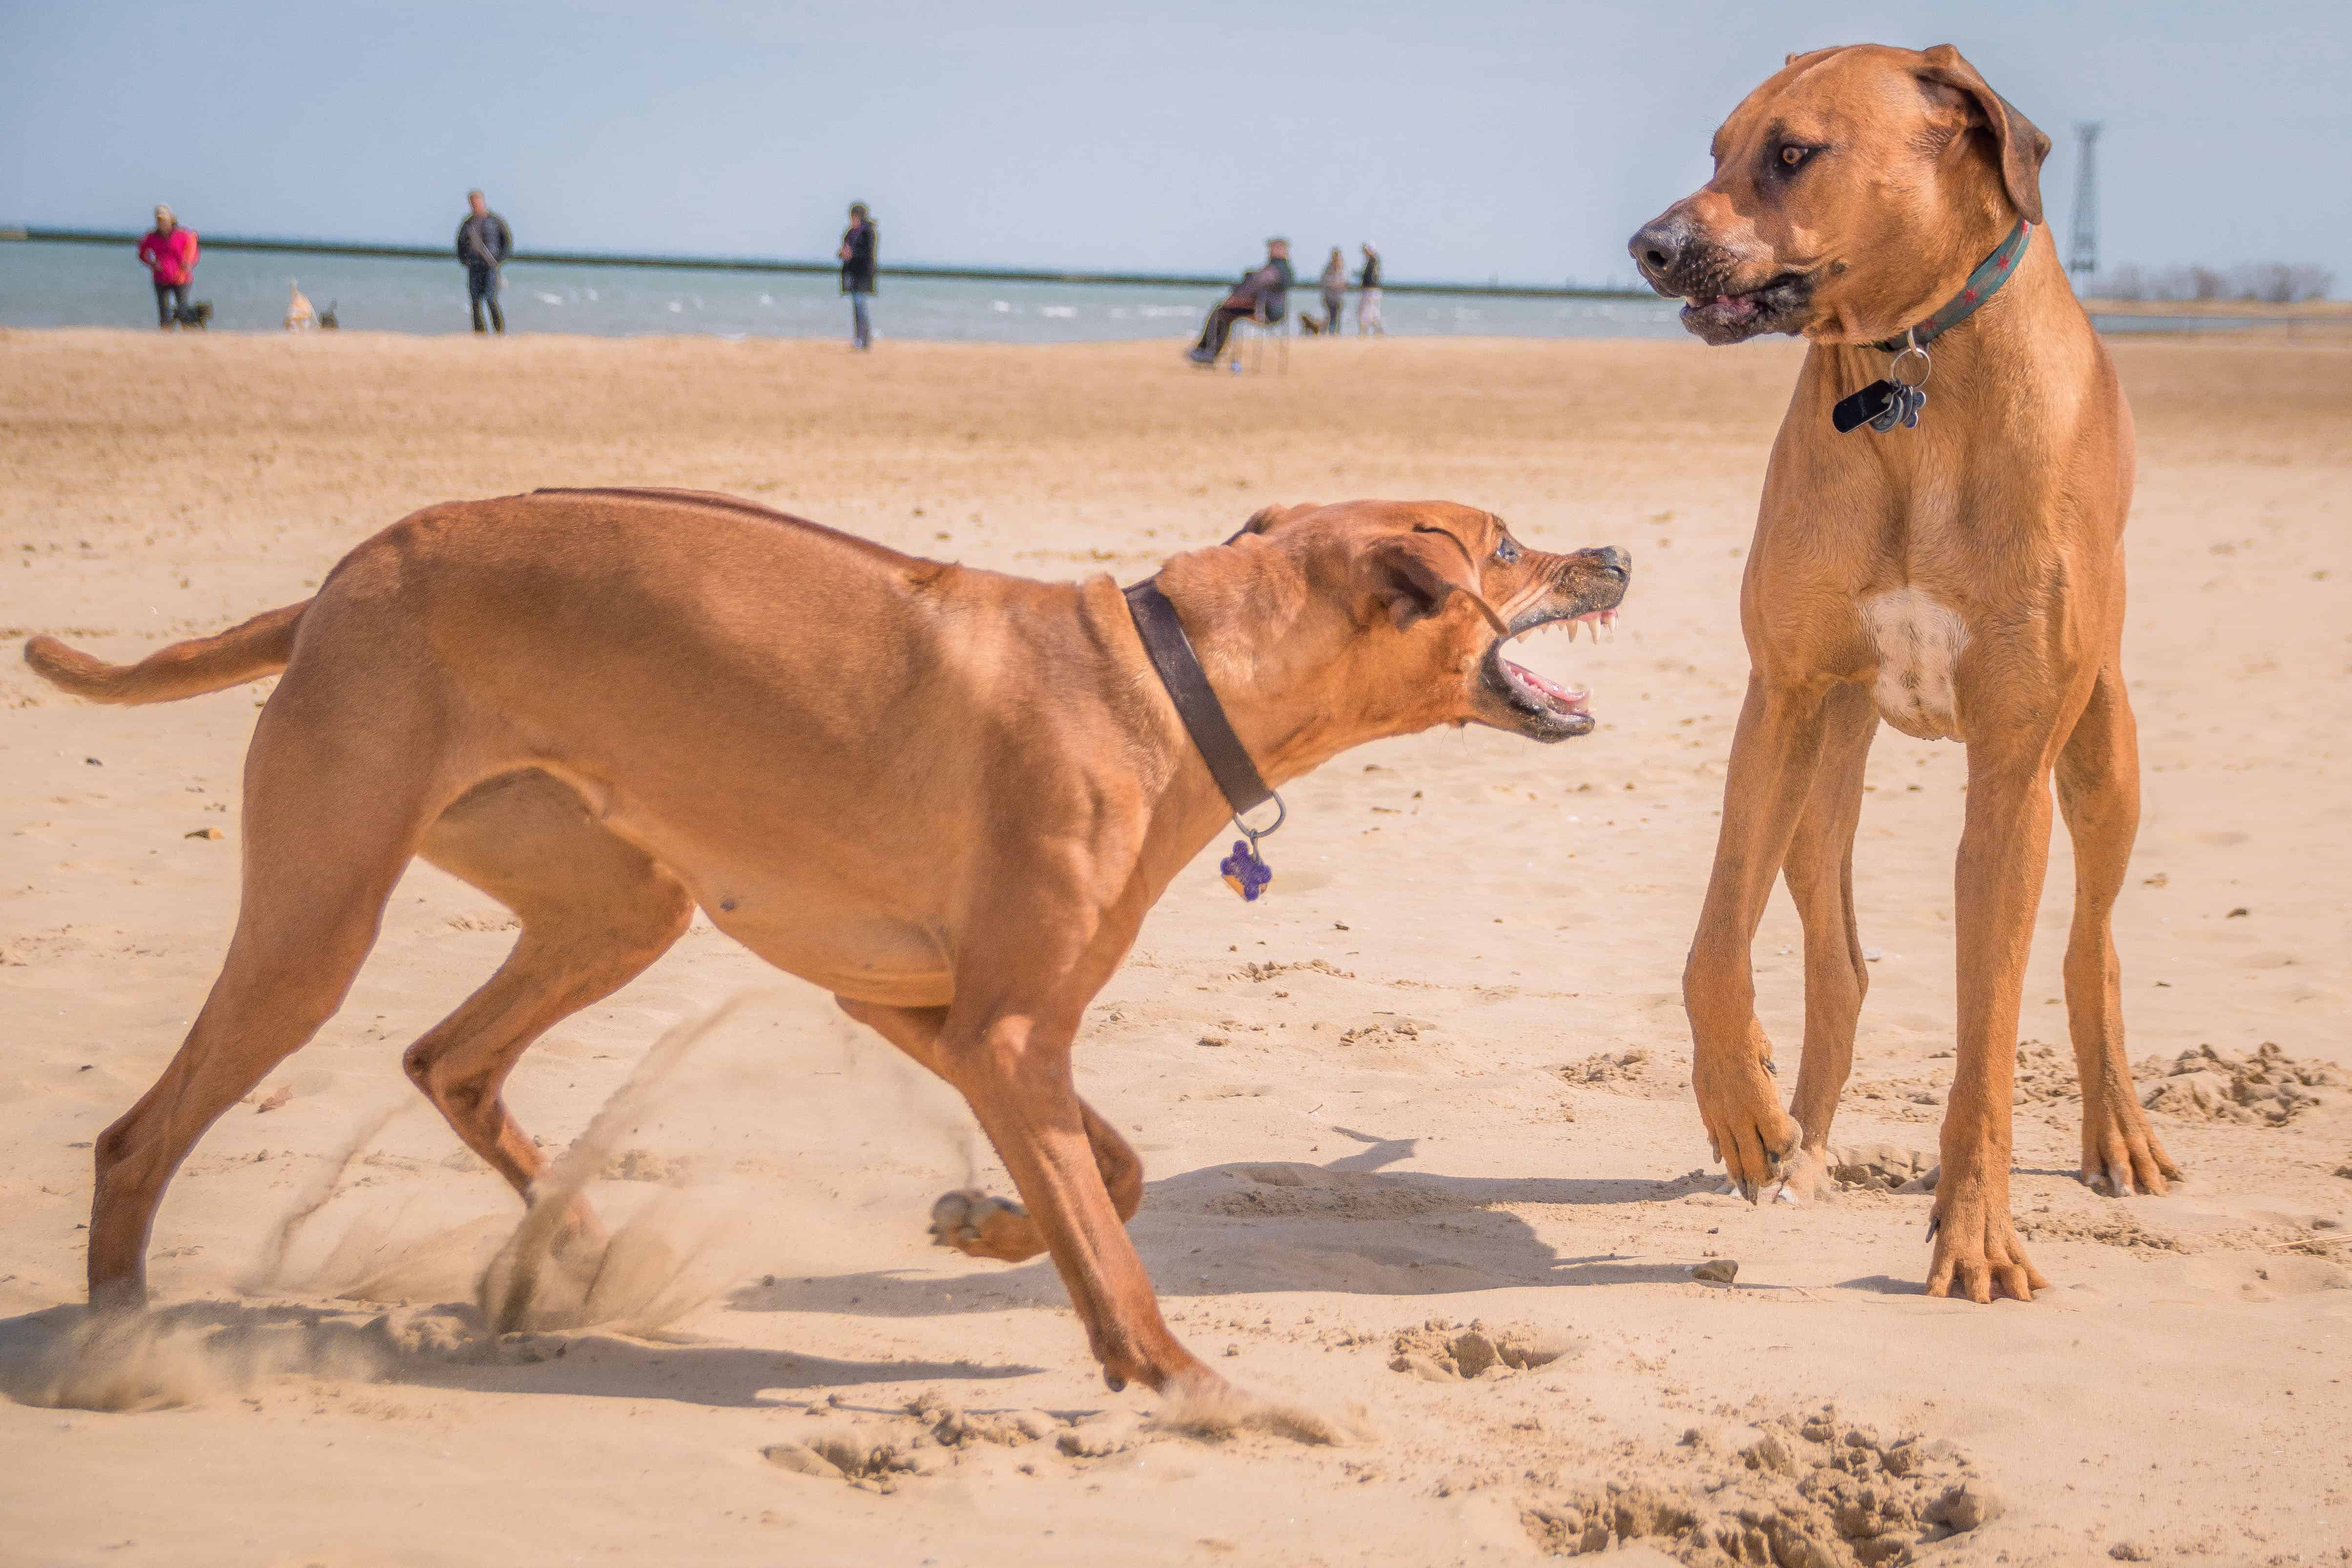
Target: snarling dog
{"x":946,"y":795}
{"x":1952,"y":565}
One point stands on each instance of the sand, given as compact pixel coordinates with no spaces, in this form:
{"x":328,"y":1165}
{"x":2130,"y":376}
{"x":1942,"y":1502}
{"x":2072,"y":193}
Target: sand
{"x":1434,"y":1085}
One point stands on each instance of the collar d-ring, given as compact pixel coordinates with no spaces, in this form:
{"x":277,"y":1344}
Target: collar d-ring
{"x":1911,"y":348}
{"x":1281,"y":814}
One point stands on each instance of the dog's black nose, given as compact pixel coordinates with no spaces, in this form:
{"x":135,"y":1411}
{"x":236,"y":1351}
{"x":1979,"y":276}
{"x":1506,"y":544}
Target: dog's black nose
{"x":1611,"y":559}
{"x":1658,"y":249}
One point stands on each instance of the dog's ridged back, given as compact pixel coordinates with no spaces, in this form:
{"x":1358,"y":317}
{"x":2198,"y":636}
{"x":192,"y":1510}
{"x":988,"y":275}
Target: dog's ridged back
{"x":258,"y":647}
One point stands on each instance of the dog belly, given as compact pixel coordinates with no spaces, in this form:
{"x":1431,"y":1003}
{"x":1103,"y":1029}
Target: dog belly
{"x":867,"y":957}
{"x":1919,"y":639}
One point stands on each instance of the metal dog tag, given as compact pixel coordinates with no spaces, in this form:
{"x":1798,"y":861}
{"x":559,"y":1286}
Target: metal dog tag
{"x":1883,"y":405}
{"x":1864,"y":408}
{"x":1903,"y":408}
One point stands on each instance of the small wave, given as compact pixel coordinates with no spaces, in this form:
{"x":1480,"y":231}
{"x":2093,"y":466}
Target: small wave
{"x":549,"y":299}
{"x":676,"y":308}
{"x":1058,"y":313}
{"x":1002,"y":307}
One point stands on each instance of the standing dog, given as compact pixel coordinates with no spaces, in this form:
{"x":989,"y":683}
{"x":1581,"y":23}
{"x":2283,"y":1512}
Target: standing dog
{"x":1961,"y":578}
{"x":948,"y":796}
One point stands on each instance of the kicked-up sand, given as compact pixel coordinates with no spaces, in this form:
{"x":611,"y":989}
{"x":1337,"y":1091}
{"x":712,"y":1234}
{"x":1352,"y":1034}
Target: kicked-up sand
{"x":1425,"y":1172}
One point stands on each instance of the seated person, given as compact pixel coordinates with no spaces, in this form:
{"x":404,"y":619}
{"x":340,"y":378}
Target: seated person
{"x":1263,"y":294}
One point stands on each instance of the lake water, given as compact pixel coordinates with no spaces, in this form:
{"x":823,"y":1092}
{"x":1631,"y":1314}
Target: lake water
{"x":54,"y":284}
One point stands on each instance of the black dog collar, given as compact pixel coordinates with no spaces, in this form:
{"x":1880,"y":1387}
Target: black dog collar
{"x":1179,"y":669}
{"x":1882,"y":404}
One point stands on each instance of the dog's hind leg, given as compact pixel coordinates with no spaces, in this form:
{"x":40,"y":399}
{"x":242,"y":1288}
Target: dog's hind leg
{"x":974,"y":1223}
{"x":596,"y":910}
{"x":1820,"y":873}
{"x":331,"y":817}
{"x":2098,"y":791}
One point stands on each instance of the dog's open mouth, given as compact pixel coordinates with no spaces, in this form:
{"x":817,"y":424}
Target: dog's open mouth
{"x":1726,"y":318}
{"x":1555,"y":712}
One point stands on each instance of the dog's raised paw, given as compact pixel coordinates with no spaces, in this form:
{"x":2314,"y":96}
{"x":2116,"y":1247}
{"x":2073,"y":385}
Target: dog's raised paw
{"x":979,"y":1226}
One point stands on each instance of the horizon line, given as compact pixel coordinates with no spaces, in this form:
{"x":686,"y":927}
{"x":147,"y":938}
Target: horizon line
{"x":1495,"y":289}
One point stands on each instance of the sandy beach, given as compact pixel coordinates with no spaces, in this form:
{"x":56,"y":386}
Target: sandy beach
{"x":1438,"y":1078}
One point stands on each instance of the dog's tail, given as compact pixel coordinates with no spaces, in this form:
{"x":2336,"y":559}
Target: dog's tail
{"x":261,"y":646}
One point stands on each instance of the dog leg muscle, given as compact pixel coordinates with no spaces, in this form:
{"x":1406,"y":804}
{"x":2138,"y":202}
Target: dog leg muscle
{"x":2005,"y":853}
{"x":331,"y":820}
{"x":1820,"y":873}
{"x":595,"y":911}
{"x":1773,"y":757}
{"x":971,"y":1222}
{"x":2098,"y":790}
{"x":1012,"y":1064}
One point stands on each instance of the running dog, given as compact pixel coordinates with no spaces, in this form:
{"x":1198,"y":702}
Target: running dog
{"x":946,"y":795}
{"x":1946,"y":557}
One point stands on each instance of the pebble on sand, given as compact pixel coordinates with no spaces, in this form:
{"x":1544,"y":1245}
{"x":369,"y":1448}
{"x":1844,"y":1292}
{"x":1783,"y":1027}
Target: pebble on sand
{"x":1717,"y":1270}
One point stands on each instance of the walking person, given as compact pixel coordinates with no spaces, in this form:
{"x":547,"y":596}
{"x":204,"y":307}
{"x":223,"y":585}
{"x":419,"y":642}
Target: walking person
{"x":858,"y":250}
{"x":169,"y":253}
{"x":484,"y":243}
{"x":1368,"y":297}
{"x":1335,"y":290}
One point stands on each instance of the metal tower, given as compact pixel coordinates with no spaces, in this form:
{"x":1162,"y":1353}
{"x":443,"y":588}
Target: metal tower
{"x":2083,"y":248}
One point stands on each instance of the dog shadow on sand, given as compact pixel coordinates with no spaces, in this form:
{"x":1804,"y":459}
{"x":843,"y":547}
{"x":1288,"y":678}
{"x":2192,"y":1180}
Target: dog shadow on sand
{"x":200,"y":1351}
{"x":1351,"y":1227}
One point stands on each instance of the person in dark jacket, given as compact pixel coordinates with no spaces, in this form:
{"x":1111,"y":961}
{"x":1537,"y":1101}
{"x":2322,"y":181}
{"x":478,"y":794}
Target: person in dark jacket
{"x":858,"y":250}
{"x":1263,"y":294}
{"x":484,"y":243}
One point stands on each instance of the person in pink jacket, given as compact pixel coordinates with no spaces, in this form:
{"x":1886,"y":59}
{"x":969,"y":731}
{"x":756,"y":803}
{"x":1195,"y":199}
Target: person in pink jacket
{"x":169,"y":252}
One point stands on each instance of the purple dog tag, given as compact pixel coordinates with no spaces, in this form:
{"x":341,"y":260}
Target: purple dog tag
{"x":1245,"y":873}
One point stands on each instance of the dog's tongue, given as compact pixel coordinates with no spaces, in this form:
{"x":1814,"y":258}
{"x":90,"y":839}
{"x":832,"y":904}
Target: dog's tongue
{"x":1572,"y":698}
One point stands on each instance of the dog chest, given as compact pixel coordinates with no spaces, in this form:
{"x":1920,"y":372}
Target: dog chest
{"x":1919,"y":639}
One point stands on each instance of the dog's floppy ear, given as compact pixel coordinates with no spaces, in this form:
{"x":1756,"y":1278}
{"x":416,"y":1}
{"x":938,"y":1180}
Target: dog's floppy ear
{"x":1411,"y":576}
{"x":2021,"y":144}
{"x":1266,"y":517}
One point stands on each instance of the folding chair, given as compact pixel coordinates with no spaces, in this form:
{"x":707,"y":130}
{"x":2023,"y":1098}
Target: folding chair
{"x":1251,"y":353}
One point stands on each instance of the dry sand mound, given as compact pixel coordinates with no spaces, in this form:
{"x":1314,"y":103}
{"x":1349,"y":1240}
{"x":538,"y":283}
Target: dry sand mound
{"x":1440,"y":1352}
{"x":2268,"y":1088}
{"x":1808,"y":1491}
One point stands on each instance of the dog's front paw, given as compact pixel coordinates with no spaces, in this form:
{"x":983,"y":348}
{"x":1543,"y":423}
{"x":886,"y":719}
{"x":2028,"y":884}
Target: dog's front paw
{"x":1977,"y":1253}
{"x":1749,"y":1132}
{"x":979,"y":1226}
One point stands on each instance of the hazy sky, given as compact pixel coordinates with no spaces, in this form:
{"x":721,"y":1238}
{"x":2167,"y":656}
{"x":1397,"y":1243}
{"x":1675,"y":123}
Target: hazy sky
{"x":1468,"y":139}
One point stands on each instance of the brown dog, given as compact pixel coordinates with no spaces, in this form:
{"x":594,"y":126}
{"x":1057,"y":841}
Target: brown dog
{"x":1963,"y":579}
{"x":948,"y":796}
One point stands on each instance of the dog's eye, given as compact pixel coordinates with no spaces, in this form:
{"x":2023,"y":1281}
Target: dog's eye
{"x":1792,"y":156}
{"x":1506,"y":549}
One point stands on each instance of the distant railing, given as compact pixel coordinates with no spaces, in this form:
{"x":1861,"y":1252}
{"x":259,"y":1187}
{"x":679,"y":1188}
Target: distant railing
{"x":809,"y":268}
